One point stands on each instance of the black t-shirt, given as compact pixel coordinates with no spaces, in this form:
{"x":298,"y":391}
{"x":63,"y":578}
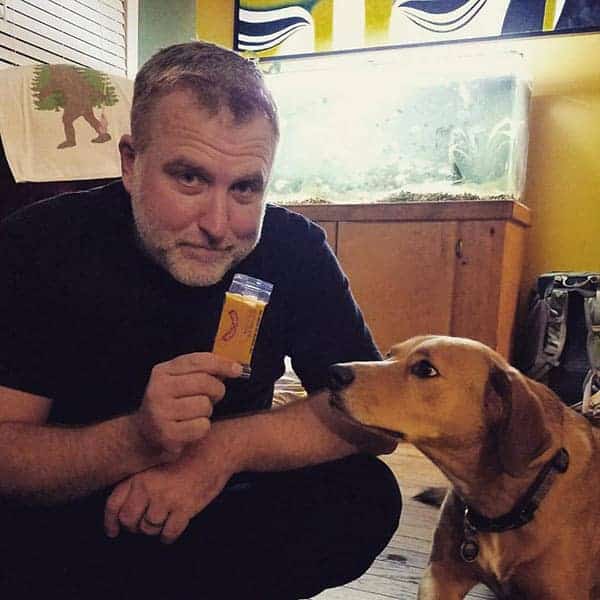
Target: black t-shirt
{"x":85,"y":315}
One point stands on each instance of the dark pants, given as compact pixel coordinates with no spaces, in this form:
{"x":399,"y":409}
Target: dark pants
{"x":274,"y":535}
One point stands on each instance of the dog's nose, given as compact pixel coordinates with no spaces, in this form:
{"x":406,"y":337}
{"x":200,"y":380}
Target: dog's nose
{"x":340,"y":376}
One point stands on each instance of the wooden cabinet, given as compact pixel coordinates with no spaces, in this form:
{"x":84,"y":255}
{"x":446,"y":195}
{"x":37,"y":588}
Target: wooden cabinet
{"x":447,"y":268}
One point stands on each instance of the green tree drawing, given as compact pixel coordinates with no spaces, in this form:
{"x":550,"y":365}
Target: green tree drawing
{"x":104,"y":93}
{"x":77,"y":91}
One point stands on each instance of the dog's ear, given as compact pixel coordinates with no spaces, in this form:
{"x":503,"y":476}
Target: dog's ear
{"x":522,"y":431}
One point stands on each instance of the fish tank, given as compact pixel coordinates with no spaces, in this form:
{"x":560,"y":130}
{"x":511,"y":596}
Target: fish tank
{"x":374,"y":127}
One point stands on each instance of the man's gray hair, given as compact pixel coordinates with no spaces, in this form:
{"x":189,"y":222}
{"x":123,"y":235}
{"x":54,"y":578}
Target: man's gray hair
{"x":218,"y":78}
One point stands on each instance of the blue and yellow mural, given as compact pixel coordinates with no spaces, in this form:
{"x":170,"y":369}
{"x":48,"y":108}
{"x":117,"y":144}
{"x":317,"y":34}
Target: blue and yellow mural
{"x":280,"y":27}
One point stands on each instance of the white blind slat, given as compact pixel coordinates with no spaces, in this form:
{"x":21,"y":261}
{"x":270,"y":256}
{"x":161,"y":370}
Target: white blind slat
{"x":101,"y":34}
{"x":62,"y":53}
{"x":113,"y":20}
{"x":29,"y":50}
{"x":34,"y":19}
{"x":117,"y":5}
{"x":50,"y":34}
{"x":98,"y":26}
{"x":113,"y":11}
{"x":14,"y":58}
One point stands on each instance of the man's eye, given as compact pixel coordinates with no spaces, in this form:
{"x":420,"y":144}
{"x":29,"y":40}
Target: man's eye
{"x":187,"y":178}
{"x":245,"y":189}
{"x":424,"y":369}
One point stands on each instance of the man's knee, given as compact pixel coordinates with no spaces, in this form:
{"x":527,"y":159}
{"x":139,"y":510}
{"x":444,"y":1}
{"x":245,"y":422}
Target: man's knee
{"x":363,"y":513}
{"x":357,"y":506}
{"x":375,"y":496}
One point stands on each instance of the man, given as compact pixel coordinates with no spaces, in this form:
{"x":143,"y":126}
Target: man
{"x":114,"y":410}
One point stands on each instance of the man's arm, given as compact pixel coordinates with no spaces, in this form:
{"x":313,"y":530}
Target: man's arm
{"x":43,"y":464}
{"x":51,"y":464}
{"x":300,"y":434}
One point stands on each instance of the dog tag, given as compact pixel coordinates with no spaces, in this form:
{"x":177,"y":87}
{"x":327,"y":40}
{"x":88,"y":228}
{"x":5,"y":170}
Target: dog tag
{"x":469,"y":550}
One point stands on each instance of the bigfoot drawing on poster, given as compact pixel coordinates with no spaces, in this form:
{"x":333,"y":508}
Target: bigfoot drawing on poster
{"x":77,"y":91}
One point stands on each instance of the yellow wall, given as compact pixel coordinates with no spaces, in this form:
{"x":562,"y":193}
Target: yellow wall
{"x":214,"y":21}
{"x":563,"y":176}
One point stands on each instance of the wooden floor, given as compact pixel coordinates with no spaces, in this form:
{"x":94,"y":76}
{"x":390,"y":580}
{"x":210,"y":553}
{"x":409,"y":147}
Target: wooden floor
{"x":396,"y":572}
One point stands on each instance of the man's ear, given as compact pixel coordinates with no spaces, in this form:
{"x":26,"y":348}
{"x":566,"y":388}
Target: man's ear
{"x":522,"y":431}
{"x":127,"y":152}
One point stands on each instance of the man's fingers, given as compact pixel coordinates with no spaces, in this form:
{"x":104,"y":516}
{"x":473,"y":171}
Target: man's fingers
{"x":193,"y":384}
{"x":190,"y":430}
{"x":154,"y":520}
{"x":205,"y":362}
{"x":174,"y":527}
{"x":134,"y":507}
{"x":148,"y":529}
{"x":192,"y":407}
{"x":113,"y":506}
{"x":178,"y":402}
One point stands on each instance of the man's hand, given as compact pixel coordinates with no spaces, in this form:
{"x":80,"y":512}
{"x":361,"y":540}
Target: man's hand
{"x":162,"y":500}
{"x":179,"y":400}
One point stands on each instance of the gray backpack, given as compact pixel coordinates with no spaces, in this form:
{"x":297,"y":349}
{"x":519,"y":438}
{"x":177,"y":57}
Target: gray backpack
{"x":560,"y":345}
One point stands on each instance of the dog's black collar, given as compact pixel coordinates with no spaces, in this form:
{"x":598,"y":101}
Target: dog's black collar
{"x":525,"y":509}
{"x":520,"y":515}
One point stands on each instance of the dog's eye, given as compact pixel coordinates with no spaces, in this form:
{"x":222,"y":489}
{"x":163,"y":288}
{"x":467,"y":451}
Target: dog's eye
{"x":424,"y":369}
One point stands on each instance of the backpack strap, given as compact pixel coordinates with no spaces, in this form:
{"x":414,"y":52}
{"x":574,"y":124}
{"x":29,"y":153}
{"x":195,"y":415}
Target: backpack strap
{"x":591,"y":383}
{"x":556,"y":303}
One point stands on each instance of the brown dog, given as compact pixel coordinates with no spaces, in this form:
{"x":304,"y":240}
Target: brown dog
{"x":522,"y":513}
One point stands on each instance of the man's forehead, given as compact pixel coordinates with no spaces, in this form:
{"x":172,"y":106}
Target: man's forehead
{"x":177,"y":101}
{"x":188,"y":139}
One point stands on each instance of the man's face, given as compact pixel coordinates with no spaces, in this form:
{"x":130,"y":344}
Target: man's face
{"x":197,"y":189}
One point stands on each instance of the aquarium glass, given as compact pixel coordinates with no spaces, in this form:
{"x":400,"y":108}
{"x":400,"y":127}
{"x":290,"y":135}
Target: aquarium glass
{"x":375,"y":127}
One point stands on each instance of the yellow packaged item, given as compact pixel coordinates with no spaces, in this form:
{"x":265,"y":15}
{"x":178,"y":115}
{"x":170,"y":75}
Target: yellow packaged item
{"x":240,"y":319}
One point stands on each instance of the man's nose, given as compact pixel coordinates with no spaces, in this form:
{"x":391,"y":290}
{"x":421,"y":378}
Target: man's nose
{"x":340,"y":376}
{"x":213,"y":217}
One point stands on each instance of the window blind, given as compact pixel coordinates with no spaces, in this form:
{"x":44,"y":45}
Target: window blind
{"x":101,"y":34}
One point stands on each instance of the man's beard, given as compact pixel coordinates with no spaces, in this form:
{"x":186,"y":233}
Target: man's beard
{"x":166,"y":249}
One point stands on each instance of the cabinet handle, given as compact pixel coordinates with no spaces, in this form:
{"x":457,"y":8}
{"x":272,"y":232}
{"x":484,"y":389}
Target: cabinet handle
{"x":458,"y":248}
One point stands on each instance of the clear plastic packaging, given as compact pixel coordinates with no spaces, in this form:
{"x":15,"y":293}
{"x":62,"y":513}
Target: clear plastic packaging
{"x":241,"y":316}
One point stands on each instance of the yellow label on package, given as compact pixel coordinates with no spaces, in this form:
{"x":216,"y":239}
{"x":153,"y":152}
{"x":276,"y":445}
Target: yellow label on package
{"x":240,"y":319}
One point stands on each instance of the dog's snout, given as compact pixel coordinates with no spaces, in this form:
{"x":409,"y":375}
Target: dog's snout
{"x":340,"y":376}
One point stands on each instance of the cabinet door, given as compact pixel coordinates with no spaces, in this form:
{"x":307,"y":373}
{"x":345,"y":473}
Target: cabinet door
{"x":330,"y":228}
{"x":401,"y":274}
{"x":487,"y":282}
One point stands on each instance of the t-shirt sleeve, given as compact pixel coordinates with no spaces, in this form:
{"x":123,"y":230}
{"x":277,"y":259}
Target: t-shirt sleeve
{"x":22,"y":313}
{"x":326,"y":324}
